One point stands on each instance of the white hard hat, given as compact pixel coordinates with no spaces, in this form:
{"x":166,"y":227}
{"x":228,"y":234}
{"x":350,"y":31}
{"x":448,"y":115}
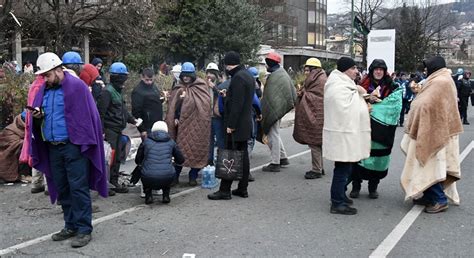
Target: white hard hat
{"x":176,"y":69}
{"x":212,"y":66}
{"x":47,"y":62}
{"x":159,"y":126}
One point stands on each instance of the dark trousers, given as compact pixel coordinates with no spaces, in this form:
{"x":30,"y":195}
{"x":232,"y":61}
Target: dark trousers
{"x":217,"y":137}
{"x":70,"y":171}
{"x":342,"y":171}
{"x":156,"y":184}
{"x":226,"y":184}
{"x":193,"y":173}
{"x":357,"y":183}
{"x":463,"y":102}
{"x":435,"y":194}
{"x":114,"y":139}
{"x":405,"y":109}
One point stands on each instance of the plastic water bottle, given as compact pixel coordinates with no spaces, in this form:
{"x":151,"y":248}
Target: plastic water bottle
{"x":209,"y":177}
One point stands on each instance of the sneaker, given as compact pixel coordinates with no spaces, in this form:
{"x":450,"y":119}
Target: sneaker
{"x":437,"y":207}
{"x":46,"y":192}
{"x":243,"y":194}
{"x":312,"y":175}
{"x":219,"y":196}
{"x":354,"y":194}
{"x":284,"y":162}
{"x":344,"y":210}
{"x":193,"y":182}
{"x":64,"y":234}
{"x":37,"y":189}
{"x":251,"y":178}
{"x":465,"y":122}
{"x":166,"y":199}
{"x":81,"y":240}
{"x":120,"y":188}
{"x":271,"y":168}
{"x":374,"y":195}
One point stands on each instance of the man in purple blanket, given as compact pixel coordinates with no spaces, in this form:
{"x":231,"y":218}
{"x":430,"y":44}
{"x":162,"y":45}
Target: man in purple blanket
{"x":67,"y":145}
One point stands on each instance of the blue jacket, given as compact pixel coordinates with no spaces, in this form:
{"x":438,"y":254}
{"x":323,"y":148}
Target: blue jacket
{"x":54,"y":128}
{"x":155,"y":154}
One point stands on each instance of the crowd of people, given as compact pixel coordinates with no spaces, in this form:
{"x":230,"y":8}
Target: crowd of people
{"x":342,"y":116}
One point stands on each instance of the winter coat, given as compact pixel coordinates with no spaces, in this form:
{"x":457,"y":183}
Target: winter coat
{"x":155,"y":154}
{"x":309,"y":110}
{"x":147,"y":105}
{"x":113,"y":111}
{"x":194,"y":128}
{"x":279,"y":97}
{"x":238,"y":104}
{"x":346,"y":131}
{"x":464,"y":88}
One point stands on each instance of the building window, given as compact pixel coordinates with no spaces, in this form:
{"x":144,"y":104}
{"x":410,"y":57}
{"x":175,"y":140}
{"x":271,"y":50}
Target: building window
{"x":311,"y":17}
{"x":311,"y":39}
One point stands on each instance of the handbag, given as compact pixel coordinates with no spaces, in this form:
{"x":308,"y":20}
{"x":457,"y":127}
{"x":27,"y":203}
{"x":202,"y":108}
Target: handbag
{"x":136,"y":174}
{"x":229,"y":164}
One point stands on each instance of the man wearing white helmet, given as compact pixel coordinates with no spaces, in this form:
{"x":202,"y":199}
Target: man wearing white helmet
{"x":67,"y":146}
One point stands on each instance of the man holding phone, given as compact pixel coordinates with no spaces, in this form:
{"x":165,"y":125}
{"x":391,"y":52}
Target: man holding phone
{"x":67,"y":146}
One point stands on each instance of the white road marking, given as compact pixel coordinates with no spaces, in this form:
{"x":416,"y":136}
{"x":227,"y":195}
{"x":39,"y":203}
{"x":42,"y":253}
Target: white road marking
{"x":38,"y":240}
{"x":397,"y":233}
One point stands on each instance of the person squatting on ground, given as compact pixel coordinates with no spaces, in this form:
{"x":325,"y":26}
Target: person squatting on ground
{"x":309,"y":115}
{"x":238,"y":122}
{"x":67,"y":146}
{"x":155,"y":157}
{"x":279,"y":98}
{"x":189,"y":121}
{"x":346,"y":131}
{"x":431,"y":142}
{"x":386,"y":100}
{"x":114,"y":116}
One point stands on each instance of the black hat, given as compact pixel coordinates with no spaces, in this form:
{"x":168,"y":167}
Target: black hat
{"x":344,"y":63}
{"x":232,"y":58}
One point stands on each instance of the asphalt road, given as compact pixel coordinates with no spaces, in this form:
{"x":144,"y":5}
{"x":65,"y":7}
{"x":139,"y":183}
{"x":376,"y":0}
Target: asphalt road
{"x":285,"y":215}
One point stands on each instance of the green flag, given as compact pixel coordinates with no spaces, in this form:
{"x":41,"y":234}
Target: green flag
{"x":360,"y":27}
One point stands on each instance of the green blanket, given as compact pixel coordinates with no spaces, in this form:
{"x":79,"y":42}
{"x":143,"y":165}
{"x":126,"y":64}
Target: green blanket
{"x":279,"y":98}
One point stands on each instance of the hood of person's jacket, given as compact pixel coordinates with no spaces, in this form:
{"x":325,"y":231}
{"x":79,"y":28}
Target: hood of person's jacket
{"x":159,"y":136}
{"x":433,"y":64}
{"x":88,"y":74}
{"x":377,"y":63}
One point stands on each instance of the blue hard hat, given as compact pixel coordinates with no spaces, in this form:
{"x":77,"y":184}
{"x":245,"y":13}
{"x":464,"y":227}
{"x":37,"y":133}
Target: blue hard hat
{"x":188,"y":67}
{"x":118,"y":68}
{"x":72,"y":57}
{"x":460,"y":71}
{"x":253,"y":71}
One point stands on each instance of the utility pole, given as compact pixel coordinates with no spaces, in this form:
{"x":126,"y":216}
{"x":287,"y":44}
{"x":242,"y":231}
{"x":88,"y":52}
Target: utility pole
{"x":351,"y":48}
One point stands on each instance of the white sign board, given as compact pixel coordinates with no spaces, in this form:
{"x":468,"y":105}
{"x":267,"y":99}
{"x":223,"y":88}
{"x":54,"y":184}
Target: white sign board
{"x":381,"y":45}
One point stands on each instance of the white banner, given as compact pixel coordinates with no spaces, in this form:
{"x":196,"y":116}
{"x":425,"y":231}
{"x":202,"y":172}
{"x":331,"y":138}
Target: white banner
{"x":381,"y":45}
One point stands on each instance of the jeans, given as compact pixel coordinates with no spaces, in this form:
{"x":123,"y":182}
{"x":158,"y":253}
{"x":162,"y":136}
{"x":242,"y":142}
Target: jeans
{"x":342,"y":171}
{"x":70,"y":171}
{"x":217,"y":137}
{"x":193,"y":173}
{"x":243,"y":184}
{"x":435,"y":194}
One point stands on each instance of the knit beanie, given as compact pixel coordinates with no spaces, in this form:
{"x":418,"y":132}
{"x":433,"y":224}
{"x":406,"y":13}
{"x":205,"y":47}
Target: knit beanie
{"x":159,"y":126}
{"x":96,"y":61}
{"x":232,"y":58}
{"x":344,"y":63}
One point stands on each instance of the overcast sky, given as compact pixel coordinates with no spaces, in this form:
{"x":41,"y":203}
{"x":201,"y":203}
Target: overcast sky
{"x":338,"y":6}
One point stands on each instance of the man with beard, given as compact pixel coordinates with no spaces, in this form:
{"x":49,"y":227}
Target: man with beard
{"x":67,"y":146}
{"x":114,"y":116}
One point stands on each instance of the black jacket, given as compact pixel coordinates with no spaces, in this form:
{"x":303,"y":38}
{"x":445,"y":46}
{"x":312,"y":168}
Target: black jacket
{"x":238,"y":104}
{"x":147,"y":105}
{"x":155,"y":154}
{"x":113,"y":112}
